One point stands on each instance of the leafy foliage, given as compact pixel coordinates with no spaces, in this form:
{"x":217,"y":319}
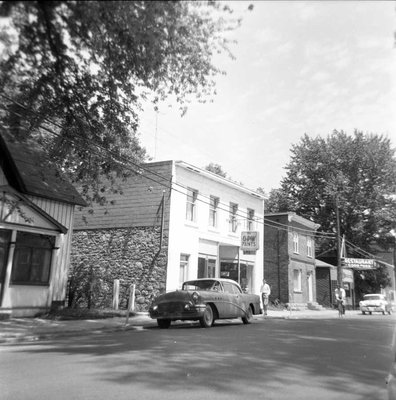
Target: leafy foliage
{"x":358,"y":172}
{"x":216,"y":169}
{"x":75,"y":73}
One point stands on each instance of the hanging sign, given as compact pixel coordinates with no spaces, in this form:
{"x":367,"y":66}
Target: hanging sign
{"x":250,"y":241}
{"x":359,"y":263}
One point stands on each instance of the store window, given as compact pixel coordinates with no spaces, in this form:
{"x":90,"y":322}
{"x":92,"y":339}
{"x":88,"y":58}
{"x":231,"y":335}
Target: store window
{"x":191,"y":211}
{"x":297,"y":280}
{"x":183,"y":271}
{"x":206,"y":267}
{"x":32,"y":259}
{"x":233,"y":217}
{"x":213,"y":206}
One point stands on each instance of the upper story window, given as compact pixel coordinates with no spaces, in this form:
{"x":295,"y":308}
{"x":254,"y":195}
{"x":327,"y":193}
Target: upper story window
{"x":233,"y":217}
{"x":295,"y":243}
{"x":309,"y":247}
{"x":191,"y":205}
{"x":250,"y":220}
{"x":213,"y":206}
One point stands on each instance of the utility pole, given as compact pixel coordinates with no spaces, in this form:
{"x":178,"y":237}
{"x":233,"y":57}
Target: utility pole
{"x":339,"y":265}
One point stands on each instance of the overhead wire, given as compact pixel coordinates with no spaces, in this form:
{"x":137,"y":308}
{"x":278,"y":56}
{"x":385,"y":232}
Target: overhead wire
{"x":125,"y":161}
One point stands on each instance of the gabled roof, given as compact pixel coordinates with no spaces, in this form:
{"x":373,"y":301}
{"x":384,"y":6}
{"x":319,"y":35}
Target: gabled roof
{"x":28,"y":171}
{"x":29,"y":204}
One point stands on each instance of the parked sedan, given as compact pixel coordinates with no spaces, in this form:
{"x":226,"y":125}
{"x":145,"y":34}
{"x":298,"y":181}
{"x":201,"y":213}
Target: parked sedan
{"x":375,"y":303}
{"x":205,"y":300}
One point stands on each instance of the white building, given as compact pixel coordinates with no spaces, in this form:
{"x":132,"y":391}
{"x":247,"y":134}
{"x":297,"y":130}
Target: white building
{"x":173,"y":222}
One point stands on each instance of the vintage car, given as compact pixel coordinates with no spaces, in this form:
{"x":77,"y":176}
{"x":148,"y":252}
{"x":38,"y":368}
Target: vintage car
{"x":375,"y":303}
{"x":205,"y":300}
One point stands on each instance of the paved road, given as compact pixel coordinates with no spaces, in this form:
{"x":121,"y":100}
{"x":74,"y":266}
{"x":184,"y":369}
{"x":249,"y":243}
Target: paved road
{"x":278,"y":359}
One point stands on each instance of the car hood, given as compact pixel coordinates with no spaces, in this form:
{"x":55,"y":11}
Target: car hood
{"x":178,"y":295}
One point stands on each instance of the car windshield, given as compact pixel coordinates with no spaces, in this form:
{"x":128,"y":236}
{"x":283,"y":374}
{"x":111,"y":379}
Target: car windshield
{"x":208,"y":284}
{"x":372,"y":297}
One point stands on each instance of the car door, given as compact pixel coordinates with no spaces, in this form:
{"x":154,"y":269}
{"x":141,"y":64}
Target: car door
{"x":232,"y":308}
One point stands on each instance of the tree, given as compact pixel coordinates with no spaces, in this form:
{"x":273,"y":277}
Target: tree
{"x":216,"y":169}
{"x":74,"y":74}
{"x":357,"y":172}
{"x":276,"y":202}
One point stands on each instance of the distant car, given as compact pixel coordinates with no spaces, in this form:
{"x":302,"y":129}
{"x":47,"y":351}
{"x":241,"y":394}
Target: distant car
{"x":205,"y":300}
{"x":375,"y":303}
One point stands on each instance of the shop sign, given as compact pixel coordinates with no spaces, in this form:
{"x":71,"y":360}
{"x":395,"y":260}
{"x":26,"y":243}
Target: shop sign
{"x":359,"y":263}
{"x":250,"y":241}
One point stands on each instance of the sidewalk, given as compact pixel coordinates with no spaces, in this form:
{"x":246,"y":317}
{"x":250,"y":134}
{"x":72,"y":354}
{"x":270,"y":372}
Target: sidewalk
{"x":19,"y":330}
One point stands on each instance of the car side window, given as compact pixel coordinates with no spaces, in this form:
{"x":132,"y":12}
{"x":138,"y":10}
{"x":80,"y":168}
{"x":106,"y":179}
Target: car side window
{"x":236,"y":289}
{"x":228,"y":287}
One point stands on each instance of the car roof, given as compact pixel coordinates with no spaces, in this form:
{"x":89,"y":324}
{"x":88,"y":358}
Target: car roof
{"x":213,"y":279}
{"x":373,"y":294}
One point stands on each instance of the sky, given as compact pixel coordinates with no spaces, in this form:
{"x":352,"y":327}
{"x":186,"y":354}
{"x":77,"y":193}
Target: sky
{"x":300,"y":68}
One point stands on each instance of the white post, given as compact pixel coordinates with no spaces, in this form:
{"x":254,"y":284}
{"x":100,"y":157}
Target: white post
{"x":131,"y":302}
{"x":116,"y":293}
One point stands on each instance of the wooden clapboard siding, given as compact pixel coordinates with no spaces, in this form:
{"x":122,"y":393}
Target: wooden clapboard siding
{"x":61,"y":212}
{"x":138,"y":205}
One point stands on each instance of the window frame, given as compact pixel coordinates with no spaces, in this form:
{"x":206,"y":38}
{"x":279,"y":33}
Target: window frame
{"x":233,"y":221}
{"x":297,"y":280}
{"x":296,"y":243}
{"x":309,"y":247}
{"x":184,"y":263}
{"x":191,"y":203}
{"x":250,"y":219}
{"x":38,"y":259}
{"x":213,"y":211}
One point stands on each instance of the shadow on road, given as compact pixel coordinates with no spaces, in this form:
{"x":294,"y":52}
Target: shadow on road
{"x":338,"y":356}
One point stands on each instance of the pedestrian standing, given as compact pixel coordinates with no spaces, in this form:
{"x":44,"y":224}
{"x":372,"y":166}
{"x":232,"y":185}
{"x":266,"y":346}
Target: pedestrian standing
{"x":265,"y":291}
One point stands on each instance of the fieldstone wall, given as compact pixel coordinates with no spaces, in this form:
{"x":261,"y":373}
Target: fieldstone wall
{"x":131,"y":255}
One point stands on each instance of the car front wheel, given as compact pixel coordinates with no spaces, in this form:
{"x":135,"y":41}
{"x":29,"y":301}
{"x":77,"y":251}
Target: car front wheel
{"x":164,"y":323}
{"x":207,"y":319}
{"x":247,"y":318}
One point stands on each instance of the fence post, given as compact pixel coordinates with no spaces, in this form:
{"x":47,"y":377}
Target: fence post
{"x":131,"y":302}
{"x":116,"y":293}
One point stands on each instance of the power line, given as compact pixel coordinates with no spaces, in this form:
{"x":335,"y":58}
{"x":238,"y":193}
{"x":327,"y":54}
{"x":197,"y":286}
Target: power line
{"x":125,"y":161}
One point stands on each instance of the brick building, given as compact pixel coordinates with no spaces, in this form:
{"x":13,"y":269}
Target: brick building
{"x":289,"y":258}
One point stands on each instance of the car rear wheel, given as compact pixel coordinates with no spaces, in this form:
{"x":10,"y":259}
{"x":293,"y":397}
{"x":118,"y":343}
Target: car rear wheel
{"x":164,"y":323}
{"x":247,"y":318}
{"x":363,"y":312}
{"x":207,"y":319}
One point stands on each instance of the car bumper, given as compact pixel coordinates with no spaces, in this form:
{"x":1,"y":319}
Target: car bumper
{"x":179,"y":312}
{"x":372,"y":309}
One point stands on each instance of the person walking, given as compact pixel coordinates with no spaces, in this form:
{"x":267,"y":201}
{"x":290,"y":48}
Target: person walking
{"x":265,"y":291}
{"x":340,"y":296}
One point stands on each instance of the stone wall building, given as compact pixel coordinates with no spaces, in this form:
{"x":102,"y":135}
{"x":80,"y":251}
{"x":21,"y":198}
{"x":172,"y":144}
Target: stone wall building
{"x":172,"y":222}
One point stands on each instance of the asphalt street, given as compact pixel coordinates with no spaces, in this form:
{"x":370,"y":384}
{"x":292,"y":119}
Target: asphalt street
{"x":290,"y":357}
